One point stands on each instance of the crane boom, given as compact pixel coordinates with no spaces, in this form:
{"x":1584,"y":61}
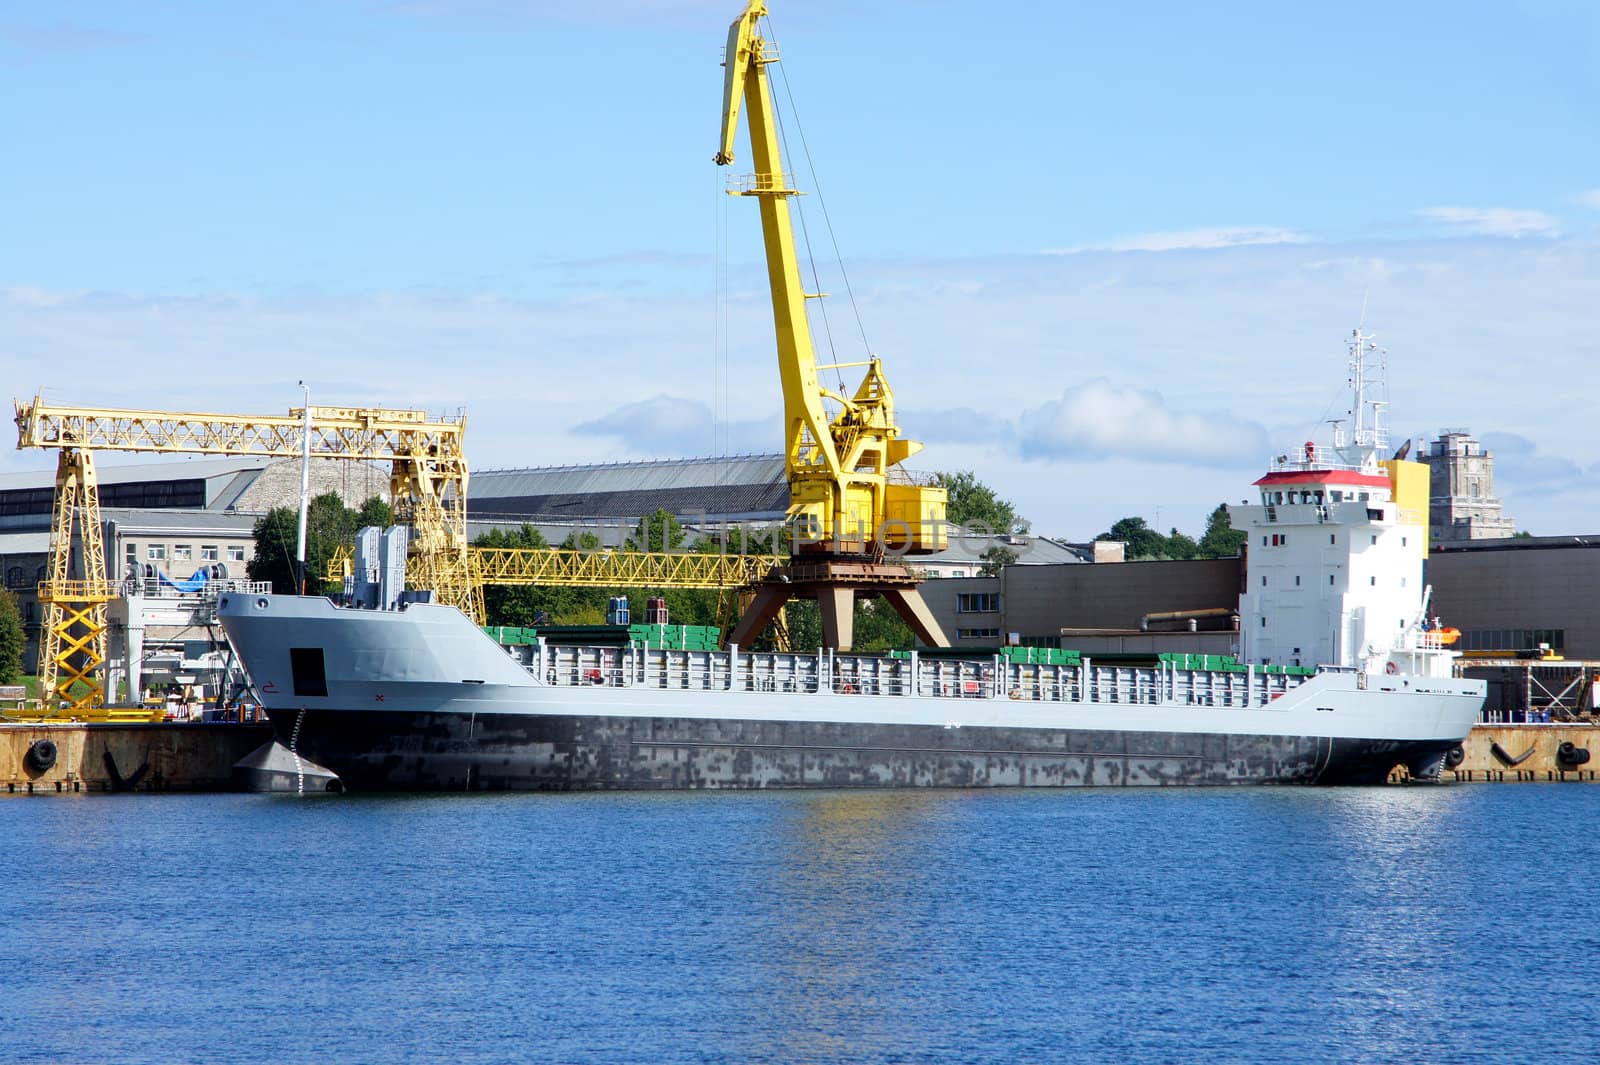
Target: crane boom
{"x":849,"y":505}
{"x":841,"y":498}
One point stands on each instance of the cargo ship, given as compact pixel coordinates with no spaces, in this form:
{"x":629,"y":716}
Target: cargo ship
{"x":1339,"y":678}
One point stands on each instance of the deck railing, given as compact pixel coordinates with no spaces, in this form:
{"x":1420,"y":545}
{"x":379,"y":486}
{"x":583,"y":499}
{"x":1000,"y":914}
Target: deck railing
{"x":873,"y":676}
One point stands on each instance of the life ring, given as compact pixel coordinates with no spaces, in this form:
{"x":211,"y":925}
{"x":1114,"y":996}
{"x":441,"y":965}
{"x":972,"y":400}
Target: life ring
{"x":848,"y":689}
{"x":41,"y":756}
{"x":1391,"y":669}
{"x":1016,"y":693}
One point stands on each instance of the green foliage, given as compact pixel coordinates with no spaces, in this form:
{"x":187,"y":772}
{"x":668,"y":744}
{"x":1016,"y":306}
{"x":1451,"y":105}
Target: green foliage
{"x":995,"y":559}
{"x":973,"y":503}
{"x":375,"y":511}
{"x":1220,"y":540}
{"x":1143,"y":542}
{"x":877,"y":627}
{"x":660,"y":531}
{"x":330,"y":525}
{"x":11,"y":639}
{"x":277,"y":541}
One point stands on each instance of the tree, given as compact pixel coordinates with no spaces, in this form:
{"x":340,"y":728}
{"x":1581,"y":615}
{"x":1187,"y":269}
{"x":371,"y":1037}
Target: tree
{"x":1221,"y":539}
{"x":329,"y":525}
{"x":994,"y":559}
{"x":1179,"y":546}
{"x":974,"y":503}
{"x":375,"y":511}
{"x":1143,"y":542}
{"x":12,"y":639}
{"x":661,"y":531}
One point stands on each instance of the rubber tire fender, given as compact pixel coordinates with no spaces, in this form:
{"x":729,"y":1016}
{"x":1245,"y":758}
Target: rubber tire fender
{"x":1454,"y":757}
{"x":1569,"y":754}
{"x":41,"y":756}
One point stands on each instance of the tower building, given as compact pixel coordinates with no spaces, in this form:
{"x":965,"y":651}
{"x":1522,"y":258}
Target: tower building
{"x":1462,"y":503}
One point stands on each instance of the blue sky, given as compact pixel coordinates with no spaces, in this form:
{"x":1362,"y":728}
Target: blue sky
{"x":1060,"y":221}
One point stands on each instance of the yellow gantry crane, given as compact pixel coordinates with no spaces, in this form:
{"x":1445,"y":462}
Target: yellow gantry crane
{"x":849,"y":504}
{"x":427,"y":487}
{"x":592,"y":568}
{"x":735,"y":576}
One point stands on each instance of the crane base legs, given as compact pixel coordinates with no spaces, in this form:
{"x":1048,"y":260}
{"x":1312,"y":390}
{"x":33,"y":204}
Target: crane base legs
{"x":836,"y":585}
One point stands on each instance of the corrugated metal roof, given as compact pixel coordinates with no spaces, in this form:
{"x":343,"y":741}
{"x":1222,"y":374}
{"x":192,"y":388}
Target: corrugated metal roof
{"x":652,"y":475}
{"x":753,"y":486}
{"x":176,"y":470}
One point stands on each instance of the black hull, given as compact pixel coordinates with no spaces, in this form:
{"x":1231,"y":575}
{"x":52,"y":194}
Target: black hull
{"x":393,"y":751}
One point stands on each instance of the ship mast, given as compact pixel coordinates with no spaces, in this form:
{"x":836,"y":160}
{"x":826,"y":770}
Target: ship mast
{"x":1369,"y":380}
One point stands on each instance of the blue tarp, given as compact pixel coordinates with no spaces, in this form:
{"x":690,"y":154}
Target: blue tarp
{"x":193,"y":583}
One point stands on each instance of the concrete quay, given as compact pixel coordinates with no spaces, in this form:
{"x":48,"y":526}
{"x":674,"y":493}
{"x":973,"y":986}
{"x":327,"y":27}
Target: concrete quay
{"x":53,"y":759}
{"x":1509,"y":753}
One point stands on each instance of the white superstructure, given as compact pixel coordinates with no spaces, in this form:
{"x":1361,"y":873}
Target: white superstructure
{"x":1335,"y":549}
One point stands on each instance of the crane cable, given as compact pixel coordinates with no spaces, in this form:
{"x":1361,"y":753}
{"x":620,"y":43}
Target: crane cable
{"x":826,"y":218}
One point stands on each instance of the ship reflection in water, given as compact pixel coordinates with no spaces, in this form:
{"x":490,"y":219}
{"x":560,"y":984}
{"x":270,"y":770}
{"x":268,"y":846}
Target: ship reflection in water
{"x":848,"y":869}
{"x":1248,"y":925}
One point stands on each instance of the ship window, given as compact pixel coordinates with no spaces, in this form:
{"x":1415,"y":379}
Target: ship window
{"x":1330,"y":578}
{"x":1297,"y":582}
{"x":1263,"y":621}
{"x":1263,"y":541}
{"x":1374,"y":581}
{"x":1332,"y":539}
{"x":1263,"y":580}
{"x":1402,"y":541}
{"x":1337,"y":495}
{"x":310,"y":676}
{"x":1374,"y":538}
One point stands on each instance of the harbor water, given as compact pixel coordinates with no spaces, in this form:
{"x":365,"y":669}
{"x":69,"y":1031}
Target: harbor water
{"x":1445,"y":924}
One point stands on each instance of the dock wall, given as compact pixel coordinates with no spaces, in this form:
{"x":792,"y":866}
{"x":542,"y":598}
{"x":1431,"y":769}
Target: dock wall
{"x":126,"y":757}
{"x":1506,"y":753}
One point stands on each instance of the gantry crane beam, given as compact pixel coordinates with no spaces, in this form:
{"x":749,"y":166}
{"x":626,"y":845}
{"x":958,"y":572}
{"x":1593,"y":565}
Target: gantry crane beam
{"x":427,"y":487}
{"x":849,"y":503}
{"x":617,"y":569}
{"x":597,"y":568}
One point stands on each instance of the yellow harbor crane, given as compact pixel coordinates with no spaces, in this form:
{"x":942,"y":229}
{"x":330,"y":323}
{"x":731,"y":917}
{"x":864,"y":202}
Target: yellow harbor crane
{"x":849,"y":503}
{"x":427,"y":486}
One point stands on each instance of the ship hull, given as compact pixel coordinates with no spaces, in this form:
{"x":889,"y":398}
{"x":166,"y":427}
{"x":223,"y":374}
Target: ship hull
{"x":423,"y":700}
{"x":420,"y":751}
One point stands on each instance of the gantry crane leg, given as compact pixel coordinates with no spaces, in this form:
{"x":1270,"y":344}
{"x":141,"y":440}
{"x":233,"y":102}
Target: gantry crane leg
{"x":73,"y":647}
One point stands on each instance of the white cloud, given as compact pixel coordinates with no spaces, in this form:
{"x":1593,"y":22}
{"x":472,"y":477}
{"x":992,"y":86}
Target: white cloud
{"x":1099,"y":419}
{"x":1589,"y":198}
{"x":669,"y":426}
{"x":969,"y":344}
{"x":1186,"y":239}
{"x":1495,"y":221}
